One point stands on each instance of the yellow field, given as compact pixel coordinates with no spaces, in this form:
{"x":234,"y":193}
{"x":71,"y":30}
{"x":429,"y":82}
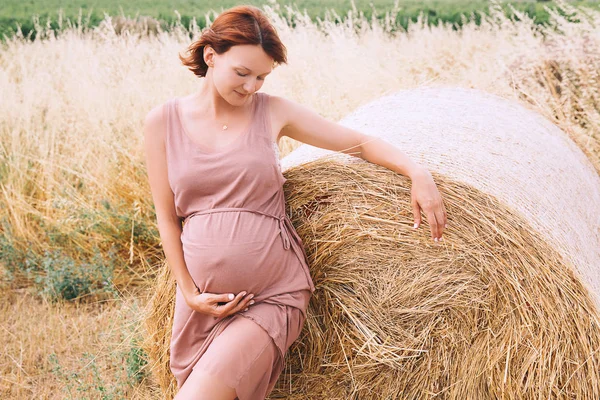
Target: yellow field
{"x":73,"y":189}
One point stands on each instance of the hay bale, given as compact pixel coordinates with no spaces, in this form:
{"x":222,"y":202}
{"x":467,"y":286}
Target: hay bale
{"x":495,"y":311}
{"x":499,"y":147}
{"x":158,"y":322}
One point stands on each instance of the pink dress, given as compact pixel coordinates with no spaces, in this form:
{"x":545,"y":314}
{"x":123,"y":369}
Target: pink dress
{"x":236,"y":237}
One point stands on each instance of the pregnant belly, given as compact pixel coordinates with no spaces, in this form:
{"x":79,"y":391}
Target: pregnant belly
{"x":229,"y":268}
{"x":230,"y":253}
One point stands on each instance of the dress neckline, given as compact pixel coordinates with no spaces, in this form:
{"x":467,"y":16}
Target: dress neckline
{"x":223,"y":149}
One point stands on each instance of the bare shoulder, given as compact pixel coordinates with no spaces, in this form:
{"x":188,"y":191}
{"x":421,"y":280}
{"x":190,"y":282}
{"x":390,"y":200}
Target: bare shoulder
{"x":155,"y":124}
{"x":280,"y":109}
{"x":279,"y":105}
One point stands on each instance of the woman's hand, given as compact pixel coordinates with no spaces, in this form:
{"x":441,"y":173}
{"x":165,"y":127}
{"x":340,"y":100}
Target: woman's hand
{"x":208,"y":303}
{"x":425,"y":196}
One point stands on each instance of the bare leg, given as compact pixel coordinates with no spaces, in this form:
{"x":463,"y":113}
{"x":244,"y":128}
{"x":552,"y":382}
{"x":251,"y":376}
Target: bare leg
{"x":202,"y":386}
{"x":243,"y":353}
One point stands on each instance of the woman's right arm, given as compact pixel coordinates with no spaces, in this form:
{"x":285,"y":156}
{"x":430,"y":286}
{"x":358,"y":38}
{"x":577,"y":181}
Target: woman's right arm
{"x":169,"y":224}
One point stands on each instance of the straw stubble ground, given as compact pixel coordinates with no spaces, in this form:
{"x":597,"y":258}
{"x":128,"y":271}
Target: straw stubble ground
{"x":68,"y":350}
{"x":72,"y":149}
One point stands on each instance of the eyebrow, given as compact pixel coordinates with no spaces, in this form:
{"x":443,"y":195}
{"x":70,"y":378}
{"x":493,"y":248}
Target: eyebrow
{"x":241,"y":66}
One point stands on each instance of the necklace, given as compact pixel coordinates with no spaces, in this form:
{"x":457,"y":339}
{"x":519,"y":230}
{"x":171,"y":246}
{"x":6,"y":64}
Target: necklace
{"x":224,"y":126}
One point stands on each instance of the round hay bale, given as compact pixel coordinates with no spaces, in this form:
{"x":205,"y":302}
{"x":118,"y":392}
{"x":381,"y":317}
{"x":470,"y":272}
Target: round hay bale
{"x":493,"y":312}
{"x":499,"y":147}
{"x":497,"y":310}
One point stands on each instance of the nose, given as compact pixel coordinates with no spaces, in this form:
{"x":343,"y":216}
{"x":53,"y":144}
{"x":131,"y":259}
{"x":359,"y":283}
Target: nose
{"x":249,"y":85}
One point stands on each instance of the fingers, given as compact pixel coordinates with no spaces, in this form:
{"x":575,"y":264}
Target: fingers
{"x":232,"y":305}
{"x":437,"y":219}
{"x":440,"y":219}
{"x":416,"y":214}
{"x":445,"y":223}
{"x":433,"y":224}
{"x":244,"y":304}
{"x":426,"y":197}
{"x":224,"y":298}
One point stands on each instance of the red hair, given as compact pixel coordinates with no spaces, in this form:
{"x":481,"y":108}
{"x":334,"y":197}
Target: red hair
{"x":235,"y":26}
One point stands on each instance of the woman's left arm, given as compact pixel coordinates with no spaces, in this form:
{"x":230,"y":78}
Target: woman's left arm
{"x":300,"y":123}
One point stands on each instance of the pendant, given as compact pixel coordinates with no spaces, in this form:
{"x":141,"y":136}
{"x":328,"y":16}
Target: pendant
{"x":224,"y":127}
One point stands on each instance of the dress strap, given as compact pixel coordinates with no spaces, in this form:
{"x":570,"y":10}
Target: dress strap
{"x":262,"y":118}
{"x":169,"y":113}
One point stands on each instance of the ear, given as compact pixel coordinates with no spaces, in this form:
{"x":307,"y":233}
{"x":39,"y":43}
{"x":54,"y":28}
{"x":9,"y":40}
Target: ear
{"x":209,"y":54}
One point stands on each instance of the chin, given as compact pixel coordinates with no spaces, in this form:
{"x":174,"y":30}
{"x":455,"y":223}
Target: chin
{"x":240,"y":97}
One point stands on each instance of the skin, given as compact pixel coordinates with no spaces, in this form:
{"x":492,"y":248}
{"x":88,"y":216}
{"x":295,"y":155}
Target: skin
{"x":225,"y":97}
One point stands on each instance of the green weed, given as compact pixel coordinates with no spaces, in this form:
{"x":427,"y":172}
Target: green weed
{"x":65,"y":278}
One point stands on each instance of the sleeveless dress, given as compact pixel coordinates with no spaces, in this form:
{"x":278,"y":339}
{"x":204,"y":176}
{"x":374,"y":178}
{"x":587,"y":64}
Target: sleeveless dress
{"x":236,"y":237}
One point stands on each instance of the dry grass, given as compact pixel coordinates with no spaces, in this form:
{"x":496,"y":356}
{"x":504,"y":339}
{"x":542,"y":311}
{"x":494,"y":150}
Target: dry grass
{"x":71,"y":160}
{"x":69,"y":349}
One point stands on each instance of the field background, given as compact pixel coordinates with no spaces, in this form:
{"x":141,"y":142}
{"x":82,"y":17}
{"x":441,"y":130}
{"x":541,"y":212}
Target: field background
{"x":15,"y":12}
{"x":78,"y":240}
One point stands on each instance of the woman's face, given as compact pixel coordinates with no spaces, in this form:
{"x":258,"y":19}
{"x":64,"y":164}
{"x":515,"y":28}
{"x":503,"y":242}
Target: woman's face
{"x":239,"y":72}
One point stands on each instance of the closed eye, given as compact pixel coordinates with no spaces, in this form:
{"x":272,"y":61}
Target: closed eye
{"x":240,"y":74}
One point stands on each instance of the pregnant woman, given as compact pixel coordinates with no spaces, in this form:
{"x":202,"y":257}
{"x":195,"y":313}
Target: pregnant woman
{"x":243,"y":282}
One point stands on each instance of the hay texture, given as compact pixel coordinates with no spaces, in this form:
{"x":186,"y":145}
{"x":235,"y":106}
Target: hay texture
{"x":501,"y":148}
{"x":497,"y":310}
{"x":158,"y":322}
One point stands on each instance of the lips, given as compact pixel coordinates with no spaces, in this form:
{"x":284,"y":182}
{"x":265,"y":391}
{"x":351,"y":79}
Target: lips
{"x":241,"y":95}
